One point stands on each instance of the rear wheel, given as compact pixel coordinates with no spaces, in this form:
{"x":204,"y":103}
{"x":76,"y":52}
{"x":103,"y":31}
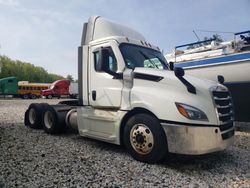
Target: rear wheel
{"x":33,"y":96}
{"x":145,"y":139}
{"x":33,"y":116}
{"x":25,"y":96}
{"x":49,"y":97}
{"x":53,"y":118}
{"x":49,"y":119}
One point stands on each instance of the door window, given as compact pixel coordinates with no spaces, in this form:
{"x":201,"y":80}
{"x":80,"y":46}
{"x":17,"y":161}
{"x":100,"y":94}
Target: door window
{"x":111,"y":63}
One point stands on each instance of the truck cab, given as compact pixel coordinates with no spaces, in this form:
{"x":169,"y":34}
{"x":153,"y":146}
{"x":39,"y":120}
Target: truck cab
{"x":129,"y":96}
{"x":8,"y":86}
{"x":57,"y":89}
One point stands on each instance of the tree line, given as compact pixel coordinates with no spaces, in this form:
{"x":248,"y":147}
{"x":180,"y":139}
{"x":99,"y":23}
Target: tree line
{"x":25,"y":71}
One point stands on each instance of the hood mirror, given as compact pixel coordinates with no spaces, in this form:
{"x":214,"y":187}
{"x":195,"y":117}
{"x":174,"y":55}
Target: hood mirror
{"x":179,"y":72}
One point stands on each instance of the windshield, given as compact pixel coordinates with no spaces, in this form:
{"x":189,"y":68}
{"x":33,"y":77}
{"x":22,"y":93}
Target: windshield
{"x":52,"y":86}
{"x":138,"y":56}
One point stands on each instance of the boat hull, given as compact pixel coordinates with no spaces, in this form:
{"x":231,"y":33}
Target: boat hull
{"x":234,"y":68}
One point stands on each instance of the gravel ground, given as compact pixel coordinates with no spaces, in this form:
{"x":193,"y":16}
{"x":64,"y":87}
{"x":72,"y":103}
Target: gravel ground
{"x":32,"y":158}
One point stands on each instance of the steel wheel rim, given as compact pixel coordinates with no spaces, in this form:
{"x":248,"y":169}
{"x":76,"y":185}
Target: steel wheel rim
{"x":48,"y":119}
{"x":32,"y":115}
{"x":141,"y":139}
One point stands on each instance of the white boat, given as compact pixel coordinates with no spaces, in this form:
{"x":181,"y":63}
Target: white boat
{"x":229,"y":59}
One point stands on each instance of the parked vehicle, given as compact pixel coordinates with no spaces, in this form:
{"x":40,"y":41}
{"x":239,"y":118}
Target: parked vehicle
{"x":231,"y":59}
{"x":128,"y":95}
{"x":61,"y":88}
{"x":28,"y":90}
{"x":8,"y":86}
{"x":57,"y":89}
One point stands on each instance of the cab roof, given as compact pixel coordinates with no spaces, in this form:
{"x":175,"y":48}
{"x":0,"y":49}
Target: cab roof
{"x":98,"y":28}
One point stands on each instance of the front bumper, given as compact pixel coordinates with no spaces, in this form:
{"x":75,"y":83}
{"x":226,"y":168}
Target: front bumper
{"x":197,"y":140}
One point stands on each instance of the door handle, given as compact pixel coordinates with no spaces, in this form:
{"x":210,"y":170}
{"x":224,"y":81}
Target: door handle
{"x":94,"y":95}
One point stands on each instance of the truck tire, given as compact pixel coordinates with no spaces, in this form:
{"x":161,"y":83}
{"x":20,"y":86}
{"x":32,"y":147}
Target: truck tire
{"x":33,"y":96}
{"x":53,"y":118}
{"x":25,"y":96}
{"x":49,"y":97}
{"x":50,"y":121}
{"x":145,"y":139}
{"x":33,"y":115}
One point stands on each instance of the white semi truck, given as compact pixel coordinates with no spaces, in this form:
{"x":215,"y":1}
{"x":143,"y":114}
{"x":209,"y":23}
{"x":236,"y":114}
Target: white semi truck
{"x":128,"y":95}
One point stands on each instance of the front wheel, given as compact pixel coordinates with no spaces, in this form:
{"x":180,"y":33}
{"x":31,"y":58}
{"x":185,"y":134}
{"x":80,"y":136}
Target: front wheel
{"x":145,"y":139}
{"x":49,"y":97}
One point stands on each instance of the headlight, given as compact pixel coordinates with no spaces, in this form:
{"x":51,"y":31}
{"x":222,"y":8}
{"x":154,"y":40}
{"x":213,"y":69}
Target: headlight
{"x":191,"y":112}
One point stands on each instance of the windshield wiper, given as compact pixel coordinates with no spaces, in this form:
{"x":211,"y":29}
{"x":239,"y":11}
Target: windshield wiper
{"x":147,"y":58}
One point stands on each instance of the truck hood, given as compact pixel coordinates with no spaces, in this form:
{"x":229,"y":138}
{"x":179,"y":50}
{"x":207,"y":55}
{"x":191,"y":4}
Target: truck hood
{"x":168,"y":77}
{"x":46,"y":92}
{"x":160,"y":90}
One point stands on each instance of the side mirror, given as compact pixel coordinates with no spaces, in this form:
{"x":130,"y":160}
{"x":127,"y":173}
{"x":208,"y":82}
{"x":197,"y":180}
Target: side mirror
{"x":221,"y":79}
{"x":171,"y":65}
{"x":104,"y":64}
{"x":179,"y":72}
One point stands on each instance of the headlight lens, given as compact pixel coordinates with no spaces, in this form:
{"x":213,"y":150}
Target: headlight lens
{"x":191,"y":112}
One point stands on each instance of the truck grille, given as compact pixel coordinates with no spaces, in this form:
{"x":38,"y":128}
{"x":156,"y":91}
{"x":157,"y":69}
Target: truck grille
{"x":224,"y":106}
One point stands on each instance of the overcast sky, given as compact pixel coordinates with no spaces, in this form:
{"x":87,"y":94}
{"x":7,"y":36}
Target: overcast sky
{"x":47,"y":32}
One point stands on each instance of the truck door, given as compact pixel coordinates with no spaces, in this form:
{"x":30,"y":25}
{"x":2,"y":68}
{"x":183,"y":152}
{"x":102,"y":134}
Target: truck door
{"x":104,"y":90}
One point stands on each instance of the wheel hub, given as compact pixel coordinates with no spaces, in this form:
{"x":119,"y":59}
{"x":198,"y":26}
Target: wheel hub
{"x":32,"y":116}
{"x":48,"y":119}
{"x":141,"y":139}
